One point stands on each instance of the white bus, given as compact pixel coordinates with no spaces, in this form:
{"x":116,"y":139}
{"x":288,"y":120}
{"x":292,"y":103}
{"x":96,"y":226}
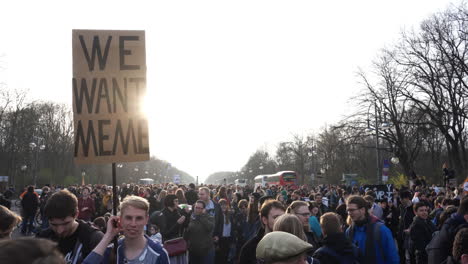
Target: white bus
{"x":260,"y":180}
{"x":145,"y":181}
{"x":240,"y":182}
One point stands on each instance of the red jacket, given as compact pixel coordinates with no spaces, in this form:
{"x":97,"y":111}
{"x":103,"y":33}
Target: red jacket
{"x":88,"y":213}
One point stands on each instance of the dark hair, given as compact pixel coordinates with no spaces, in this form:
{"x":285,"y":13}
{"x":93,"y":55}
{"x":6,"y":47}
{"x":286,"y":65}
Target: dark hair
{"x":101,"y":223}
{"x":268,"y":205}
{"x":191,"y":185}
{"x":169,"y":200}
{"x":463,"y":208}
{"x":39,"y":251}
{"x":357,"y":200}
{"x":460,"y":244}
{"x":405,"y":194}
{"x":61,"y":205}
{"x":201,"y":202}
{"x":341,"y":211}
{"x":446,"y":214}
{"x":418,"y":205}
{"x":30,"y":188}
{"x":446,"y":202}
{"x":438,"y":200}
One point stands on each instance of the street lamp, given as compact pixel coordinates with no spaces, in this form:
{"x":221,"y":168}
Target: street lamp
{"x":35,"y":151}
{"x":395,"y":160}
{"x":83,"y":174}
{"x":370,"y":131}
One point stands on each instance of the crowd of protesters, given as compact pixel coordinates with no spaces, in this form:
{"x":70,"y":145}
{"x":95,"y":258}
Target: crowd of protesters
{"x":169,"y":223}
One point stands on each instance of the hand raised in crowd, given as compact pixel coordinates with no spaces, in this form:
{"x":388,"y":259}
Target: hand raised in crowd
{"x":113,"y":226}
{"x":181,"y":220}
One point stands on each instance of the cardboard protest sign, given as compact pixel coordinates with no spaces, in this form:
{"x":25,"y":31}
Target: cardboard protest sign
{"x":381,"y":191}
{"x":109,"y":84}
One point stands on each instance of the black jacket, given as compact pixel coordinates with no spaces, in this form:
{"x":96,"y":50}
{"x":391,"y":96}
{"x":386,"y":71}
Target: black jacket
{"x":441,"y":244}
{"x":30,"y":203}
{"x":170,"y":228}
{"x":339,"y":244}
{"x":248,"y":252}
{"x":421,"y":233}
{"x":218,"y":216}
{"x":406,"y":218}
{"x":86,"y":235}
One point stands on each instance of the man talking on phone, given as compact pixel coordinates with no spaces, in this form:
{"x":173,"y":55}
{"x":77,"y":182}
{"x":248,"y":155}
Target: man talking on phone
{"x":135,"y":247}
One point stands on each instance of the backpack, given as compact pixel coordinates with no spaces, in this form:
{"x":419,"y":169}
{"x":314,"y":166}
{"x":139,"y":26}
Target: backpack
{"x":325,"y":250}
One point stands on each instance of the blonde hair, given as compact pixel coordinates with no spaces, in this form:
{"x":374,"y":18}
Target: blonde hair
{"x":290,"y":223}
{"x":134,"y":201}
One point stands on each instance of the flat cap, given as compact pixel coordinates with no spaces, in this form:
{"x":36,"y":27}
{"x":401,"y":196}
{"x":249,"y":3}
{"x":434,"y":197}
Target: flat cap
{"x":278,"y":245}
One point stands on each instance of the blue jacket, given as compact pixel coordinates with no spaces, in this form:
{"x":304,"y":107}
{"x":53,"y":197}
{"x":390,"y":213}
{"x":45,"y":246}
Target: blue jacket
{"x":386,"y":243}
{"x":155,"y":248}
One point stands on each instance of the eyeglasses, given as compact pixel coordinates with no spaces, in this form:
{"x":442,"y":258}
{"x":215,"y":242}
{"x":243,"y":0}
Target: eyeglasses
{"x":304,"y":214}
{"x":350,"y":210}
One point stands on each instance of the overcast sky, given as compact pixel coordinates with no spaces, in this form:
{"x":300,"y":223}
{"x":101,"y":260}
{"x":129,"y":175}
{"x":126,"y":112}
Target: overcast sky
{"x":225,"y":78}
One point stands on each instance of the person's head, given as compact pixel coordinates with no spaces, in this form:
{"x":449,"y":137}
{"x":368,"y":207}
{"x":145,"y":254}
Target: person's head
{"x":133,"y":216}
{"x":180,"y":194}
{"x":8,"y":221}
{"x":204,"y":194}
{"x":153,"y":230}
{"x":421,"y":210}
{"x":85,"y":192}
{"x":271,"y":209}
{"x":406,"y":196}
{"x":101,"y":223}
{"x":199,"y":207}
{"x":290,"y":223}
{"x":38,"y":251}
{"x":301,"y":210}
{"x":357,"y":208}
{"x":45,"y":189}
{"x":463,"y":208}
{"x":162,"y":195}
{"x":330,"y":224}
{"x":171,"y":201}
{"x":243,"y":204}
{"x":282,"y":248}
{"x":223,"y":203}
{"x":384,"y":203}
{"x":460,"y":246}
{"x":62,"y":209}
{"x":30,"y":188}
{"x":192,"y":186}
{"x":438,"y":202}
{"x":318,"y":198}
{"x":280,"y":198}
{"x":314,"y":208}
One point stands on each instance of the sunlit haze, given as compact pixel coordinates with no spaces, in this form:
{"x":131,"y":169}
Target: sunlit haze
{"x":225,"y":78}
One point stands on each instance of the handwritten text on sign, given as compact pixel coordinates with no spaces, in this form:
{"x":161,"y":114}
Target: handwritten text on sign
{"x":109,"y":84}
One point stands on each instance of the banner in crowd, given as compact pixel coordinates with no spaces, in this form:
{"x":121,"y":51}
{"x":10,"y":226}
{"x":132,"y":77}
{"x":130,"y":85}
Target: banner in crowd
{"x":109,"y":85}
{"x":381,"y":191}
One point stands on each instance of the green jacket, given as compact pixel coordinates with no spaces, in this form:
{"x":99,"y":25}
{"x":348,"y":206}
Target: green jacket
{"x":199,"y":234}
